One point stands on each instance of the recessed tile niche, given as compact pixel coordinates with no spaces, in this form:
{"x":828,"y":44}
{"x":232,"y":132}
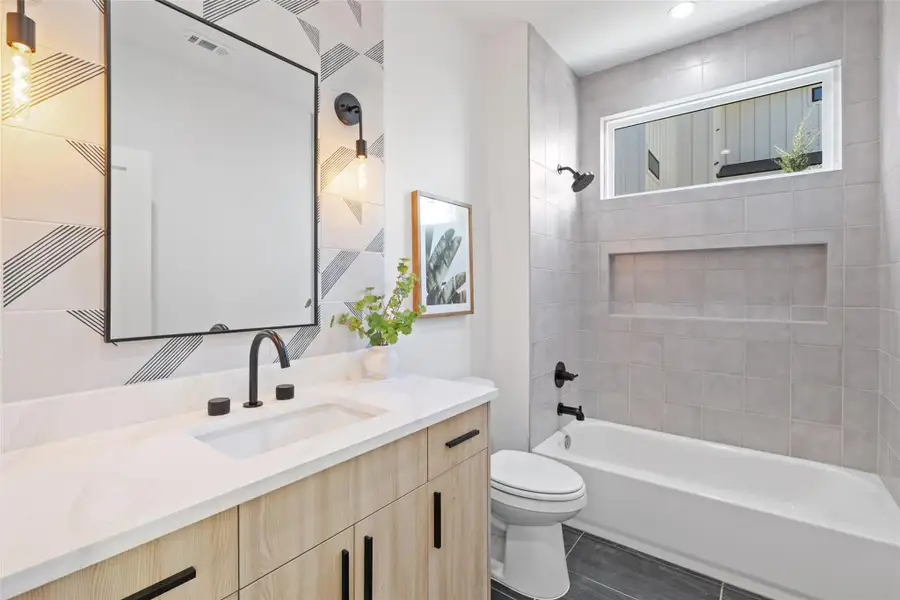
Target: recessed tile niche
{"x":767,"y":283}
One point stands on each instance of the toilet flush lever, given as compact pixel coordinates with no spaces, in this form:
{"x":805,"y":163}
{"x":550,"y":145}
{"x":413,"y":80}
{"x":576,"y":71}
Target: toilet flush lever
{"x":560,"y":376}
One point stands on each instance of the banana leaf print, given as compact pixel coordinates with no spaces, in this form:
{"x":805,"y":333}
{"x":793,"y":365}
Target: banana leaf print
{"x":440,"y":288}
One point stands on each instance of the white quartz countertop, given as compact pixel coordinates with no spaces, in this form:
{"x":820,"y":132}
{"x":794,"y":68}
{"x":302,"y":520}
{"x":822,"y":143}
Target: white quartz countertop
{"x":68,"y":505}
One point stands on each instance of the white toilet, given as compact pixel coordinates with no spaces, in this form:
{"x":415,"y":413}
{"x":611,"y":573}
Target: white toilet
{"x":530,"y":498}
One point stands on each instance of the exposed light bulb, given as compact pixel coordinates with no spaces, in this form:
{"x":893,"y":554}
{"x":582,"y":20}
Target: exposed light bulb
{"x":362,"y":173}
{"x":20,"y":83}
{"x":682,"y":10}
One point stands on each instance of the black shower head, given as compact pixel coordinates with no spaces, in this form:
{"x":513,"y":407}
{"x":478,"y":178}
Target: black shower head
{"x":582,"y":180}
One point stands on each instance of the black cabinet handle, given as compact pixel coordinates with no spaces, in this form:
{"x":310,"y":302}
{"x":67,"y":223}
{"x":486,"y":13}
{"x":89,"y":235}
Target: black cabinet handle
{"x":345,"y":575}
{"x":437,"y":520}
{"x":368,"y":551}
{"x":463,"y":438}
{"x":166,"y":585}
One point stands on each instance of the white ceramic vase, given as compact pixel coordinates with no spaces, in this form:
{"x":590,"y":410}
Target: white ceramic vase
{"x":381,"y":362}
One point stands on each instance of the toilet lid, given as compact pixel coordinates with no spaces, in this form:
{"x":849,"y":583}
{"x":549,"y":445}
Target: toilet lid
{"x":533,"y":474}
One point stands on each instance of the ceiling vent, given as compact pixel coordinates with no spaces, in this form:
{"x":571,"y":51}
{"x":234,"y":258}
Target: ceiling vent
{"x":207,"y":44}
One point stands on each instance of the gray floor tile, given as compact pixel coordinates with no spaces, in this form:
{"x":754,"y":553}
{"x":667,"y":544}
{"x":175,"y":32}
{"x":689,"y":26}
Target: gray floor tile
{"x":570,"y":536}
{"x":505,"y":592}
{"x":498,"y":595}
{"x":733,"y":593}
{"x":637,"y":575}
{"x":583,"y":588}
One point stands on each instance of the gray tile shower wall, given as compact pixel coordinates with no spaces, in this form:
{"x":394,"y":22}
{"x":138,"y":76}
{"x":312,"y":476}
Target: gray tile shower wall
{"x":53,"y":198}
{"x":805,"y":389}
{"x":889,"y":380}
{"x":553,"y":131}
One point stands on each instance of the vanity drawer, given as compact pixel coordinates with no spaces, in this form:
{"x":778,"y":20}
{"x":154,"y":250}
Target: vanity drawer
{"x":452,"y":441}
{"x":282,"y":525}
{"x":199,"y":562}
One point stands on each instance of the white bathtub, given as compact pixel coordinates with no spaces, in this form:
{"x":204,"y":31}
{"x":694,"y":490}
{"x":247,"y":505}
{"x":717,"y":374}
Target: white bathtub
{"x":785,"y":528}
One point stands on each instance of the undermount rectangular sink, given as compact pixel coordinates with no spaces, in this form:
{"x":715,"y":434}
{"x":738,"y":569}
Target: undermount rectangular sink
{"x":259,"y":437}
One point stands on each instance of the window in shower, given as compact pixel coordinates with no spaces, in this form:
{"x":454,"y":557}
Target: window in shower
{"x":784,"y":124}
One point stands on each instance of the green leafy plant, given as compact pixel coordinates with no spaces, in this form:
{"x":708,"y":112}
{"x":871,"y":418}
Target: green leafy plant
{"x":797,"y":159}
{"x":381,"y":320}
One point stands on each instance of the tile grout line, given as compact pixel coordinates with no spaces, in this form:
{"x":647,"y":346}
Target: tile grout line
{"x":580,"y":535}
{"x":606,"y":586}
{"x":722,"y":591}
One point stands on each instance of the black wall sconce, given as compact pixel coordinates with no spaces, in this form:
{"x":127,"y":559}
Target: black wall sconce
{"x":21,"y":38}
{"x":349,"y":112}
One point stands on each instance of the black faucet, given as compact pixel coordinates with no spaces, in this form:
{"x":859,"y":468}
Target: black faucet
{"x":253,"y":402}
{"x":562,"y":409}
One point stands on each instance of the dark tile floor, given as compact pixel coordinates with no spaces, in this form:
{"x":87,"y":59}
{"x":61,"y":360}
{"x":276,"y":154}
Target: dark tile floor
{"x":602,"y":570}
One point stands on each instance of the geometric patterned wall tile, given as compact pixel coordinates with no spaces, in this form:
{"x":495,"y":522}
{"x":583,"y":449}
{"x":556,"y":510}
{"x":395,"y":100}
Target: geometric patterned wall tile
{"x":94,"y":154}
{"x":166,"y":360}
{"x":296,"y":6}
{"x":48,"y":353}
{"x":356,"y":9}
{"x":95,"y":320}
{"x":335,"y":59}
{"x":52,"y":76}
{"x":50,"y":249}
{"x":377,"y":147}
{"x":54,"y":116}
{"x":376,"y":53}
{"x":46,"y":179}
{"x":312,"y":32}
{"x":347,"y":224}
{"x":377,"y":243}
{"x":215,"y":10}
{"x":275,"y":28}
{"x":349,"y":273}
{"x":334,"y":164}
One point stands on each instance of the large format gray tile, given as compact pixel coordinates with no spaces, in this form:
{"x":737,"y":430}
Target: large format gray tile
{"x":570,"y":537}
{"x":583,"y":588}
{"x":637,"y":575}
{"x":501,"y":592}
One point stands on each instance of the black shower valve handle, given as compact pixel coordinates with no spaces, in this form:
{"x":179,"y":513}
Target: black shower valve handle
{"x":561,"y":375}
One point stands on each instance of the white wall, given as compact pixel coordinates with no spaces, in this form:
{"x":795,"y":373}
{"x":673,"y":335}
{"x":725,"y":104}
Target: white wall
{"x":456,"y":126}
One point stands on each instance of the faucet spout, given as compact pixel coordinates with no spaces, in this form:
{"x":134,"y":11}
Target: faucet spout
{"x":562,"y":409}
{"x":283,"y":359}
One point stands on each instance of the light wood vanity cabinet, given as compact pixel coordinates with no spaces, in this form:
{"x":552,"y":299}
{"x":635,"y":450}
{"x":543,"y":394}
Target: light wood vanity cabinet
{"x":323,"y":573}
{"x":406,"y":521}
{"x":284,"y":524}
{"x":198,"y":562}
{"x":458,"y":552}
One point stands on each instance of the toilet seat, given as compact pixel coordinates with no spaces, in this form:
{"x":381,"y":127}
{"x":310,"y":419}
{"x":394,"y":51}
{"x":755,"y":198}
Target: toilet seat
{"x":534,"y":477}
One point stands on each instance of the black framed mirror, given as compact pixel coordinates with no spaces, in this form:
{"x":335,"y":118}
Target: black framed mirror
{"x":211,"y":179}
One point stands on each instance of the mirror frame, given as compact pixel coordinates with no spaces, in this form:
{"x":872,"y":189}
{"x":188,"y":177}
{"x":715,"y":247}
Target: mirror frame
{"x":107,"y":54}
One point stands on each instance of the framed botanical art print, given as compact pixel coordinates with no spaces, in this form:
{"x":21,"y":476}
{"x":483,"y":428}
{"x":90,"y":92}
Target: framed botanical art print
{"x":442,"y":255}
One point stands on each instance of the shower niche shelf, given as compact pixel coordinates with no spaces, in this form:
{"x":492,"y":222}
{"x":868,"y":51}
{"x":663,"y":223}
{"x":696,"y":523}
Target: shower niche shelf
{"x":785,"y":283}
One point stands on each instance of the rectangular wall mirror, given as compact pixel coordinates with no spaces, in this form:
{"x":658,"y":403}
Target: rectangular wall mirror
{"x":211,"y":179}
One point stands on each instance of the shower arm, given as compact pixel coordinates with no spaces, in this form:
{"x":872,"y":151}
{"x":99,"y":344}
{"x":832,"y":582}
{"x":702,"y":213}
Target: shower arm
{"x":560,"y":169}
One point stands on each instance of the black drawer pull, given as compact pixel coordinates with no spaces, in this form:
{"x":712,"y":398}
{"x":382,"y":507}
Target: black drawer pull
{"x":437,"y":520}
{"x":166,"y":585}
{"x":463,"y":438}
{"x":345,"y":575}
{"x":368,"y":551}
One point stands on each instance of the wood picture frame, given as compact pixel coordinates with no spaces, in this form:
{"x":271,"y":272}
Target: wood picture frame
{"x":436,"y":254}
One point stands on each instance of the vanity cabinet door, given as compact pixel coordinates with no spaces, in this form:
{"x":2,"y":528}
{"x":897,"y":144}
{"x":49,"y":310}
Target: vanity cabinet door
{"x":199,"y":562}
{"x":458,"y":548}
{"x":323,"y":573}
{"x":283,"y":524}
{"x":392,"y":551}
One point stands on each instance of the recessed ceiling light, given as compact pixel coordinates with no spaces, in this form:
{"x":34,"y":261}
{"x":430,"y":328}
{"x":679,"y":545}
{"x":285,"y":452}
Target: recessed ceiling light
{"x":682,"y":10}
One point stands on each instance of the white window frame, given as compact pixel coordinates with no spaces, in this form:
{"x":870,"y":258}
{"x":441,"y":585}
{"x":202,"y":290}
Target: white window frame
{"x":829,"y":74}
